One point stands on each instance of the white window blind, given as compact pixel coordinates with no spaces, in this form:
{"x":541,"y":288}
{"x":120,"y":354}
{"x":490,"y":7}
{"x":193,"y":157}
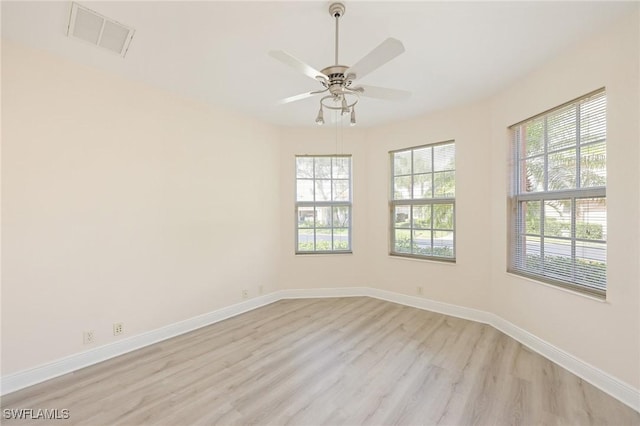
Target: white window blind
{"x":422,"y":205}
{"x":323,"y":204}
{"x":558,"y":227}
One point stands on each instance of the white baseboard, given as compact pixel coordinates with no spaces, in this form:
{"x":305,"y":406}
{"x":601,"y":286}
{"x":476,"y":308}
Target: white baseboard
{"x":313,"y":293}
{"x":602,"y":380}
{"x":430,"y":305}
{"x":22,"y":379}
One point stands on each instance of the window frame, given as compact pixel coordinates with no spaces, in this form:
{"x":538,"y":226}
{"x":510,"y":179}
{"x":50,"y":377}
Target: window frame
{"x":517,"y":227}
{"x":411,"y":202}
{"x":314,"y":204}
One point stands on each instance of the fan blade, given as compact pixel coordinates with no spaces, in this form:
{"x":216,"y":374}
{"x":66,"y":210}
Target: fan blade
{"x":386,"y":51}
{"x":382,"y":92}
{"x":299,"y":97}
{"x":296,"y":63}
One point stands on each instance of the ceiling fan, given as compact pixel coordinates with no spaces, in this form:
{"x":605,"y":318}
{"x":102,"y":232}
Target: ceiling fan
{"x":337,"y":80}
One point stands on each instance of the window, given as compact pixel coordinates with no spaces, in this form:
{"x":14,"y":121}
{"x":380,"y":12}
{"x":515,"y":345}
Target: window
{"x":422,"y":205}
{"x":558,"y":226}
{"x":323,"y":204}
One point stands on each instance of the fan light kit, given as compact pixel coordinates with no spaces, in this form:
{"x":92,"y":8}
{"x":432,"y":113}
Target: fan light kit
{"x":337,"y":80}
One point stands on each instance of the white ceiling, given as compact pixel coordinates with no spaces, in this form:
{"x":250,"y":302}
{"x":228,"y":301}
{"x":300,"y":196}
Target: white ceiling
{"x":216,"y":52}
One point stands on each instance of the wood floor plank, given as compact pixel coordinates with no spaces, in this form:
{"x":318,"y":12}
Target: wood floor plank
{"x":335,"y":361}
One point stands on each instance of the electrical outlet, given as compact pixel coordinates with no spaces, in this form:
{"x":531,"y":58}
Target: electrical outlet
{"x":118,"y":328}
{"x":419,"y":290}
{"x":245,"y":294}
{"x":260,"y":289}
{"x":88,"y":337}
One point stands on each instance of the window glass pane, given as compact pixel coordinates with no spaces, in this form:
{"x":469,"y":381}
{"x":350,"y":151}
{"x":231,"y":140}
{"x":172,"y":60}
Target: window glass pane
{"x":422,"y":186}
{"x":443,"y":243}
{"x":304,"y":167}
{"x":591,"y":263}
{"x":593,"y":119}
{"x":323,"y":217}
{"x":530,"y":250}
{"x":323,"y":190}
{"x":323,"y":240}
{"x":557,"y":255}
{"x":591,"y":251}
{"x":557,"y":218}
{"x":561,"y":128}
{"x":444,"y":157}
{"x":557,"y":259}
{"x":533,"y":179}
{"x":323,"y":167}
{"x":533,"y":138}
{"x":422,"y":242}
{"x":305,"y":240}
{"x":341,"y":168}
{"x":591,"y":218}
{"x":531,"y":214}
{"x":341,"y":216}
{"x":340,"y":190}
{"x":445,"y":184}
{"x":304,"y":190}
{"x":422,"y":160}
{"x":422,"y":217}
{"x":402,"y":163}
{"x":401,"y":216}
{"x":402,"y":188}
{"x":443,"y":216}
{"x":340,"y":238}
{"x":402,"y":240}
{"x":593,"y":165}
{"x":562,"y":170}
{"x":306,"y":217}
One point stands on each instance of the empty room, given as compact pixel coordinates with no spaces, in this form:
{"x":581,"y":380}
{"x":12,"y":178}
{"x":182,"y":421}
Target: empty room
{"x":320,"y":213}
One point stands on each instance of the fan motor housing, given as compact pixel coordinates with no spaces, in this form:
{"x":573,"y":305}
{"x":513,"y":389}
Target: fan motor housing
{"x":337,"y":78}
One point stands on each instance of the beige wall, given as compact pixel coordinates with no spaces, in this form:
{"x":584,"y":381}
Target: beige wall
{"x":463,"y":283}
{"x":322,"y":271}
{"x":115,"y":210}
{"x":606,"y":335}
{"x":122,"y":203}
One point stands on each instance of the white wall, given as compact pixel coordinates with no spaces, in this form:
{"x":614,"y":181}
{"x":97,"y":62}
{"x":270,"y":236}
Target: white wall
{"x":123,"y":203}
{"x":607,"y":335}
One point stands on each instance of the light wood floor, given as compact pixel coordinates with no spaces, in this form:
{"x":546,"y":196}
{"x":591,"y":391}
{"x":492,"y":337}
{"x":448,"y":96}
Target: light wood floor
{"x":329,"y":361}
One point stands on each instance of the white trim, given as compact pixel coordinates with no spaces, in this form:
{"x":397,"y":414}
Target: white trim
{"x":431,"y":305}
{"x":312,"y":293}
{"x":431,"y":260}
{"x":600,"y":379}
{"x":22,"y":379}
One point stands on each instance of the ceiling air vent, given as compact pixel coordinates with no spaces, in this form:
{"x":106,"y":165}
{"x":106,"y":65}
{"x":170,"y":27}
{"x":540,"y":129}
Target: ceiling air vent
{"x":98,"y":30}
